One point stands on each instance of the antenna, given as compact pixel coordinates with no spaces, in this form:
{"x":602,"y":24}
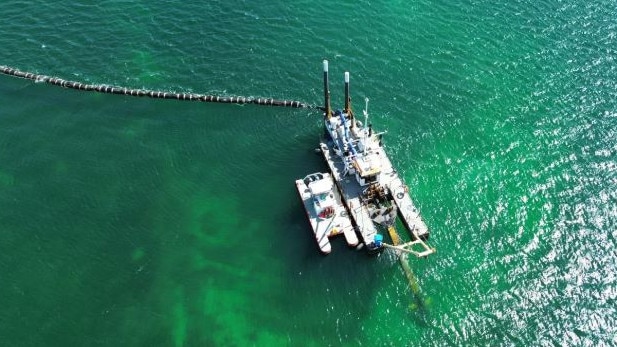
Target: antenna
{"x":365,"y":112}
{"x":347,"y":110}
{"x":367,"y":133}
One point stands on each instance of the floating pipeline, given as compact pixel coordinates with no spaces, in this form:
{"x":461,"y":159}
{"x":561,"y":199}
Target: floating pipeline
{"x":101,"y":88}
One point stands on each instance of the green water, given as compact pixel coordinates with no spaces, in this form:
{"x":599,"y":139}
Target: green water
{"x":139,"y":222}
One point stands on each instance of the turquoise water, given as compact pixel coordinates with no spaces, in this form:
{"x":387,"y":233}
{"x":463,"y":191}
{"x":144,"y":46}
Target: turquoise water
{"x":140,"y":222}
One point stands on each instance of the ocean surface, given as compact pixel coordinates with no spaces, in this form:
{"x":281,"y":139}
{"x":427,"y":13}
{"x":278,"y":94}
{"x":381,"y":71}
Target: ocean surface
{"x":140,"y":222}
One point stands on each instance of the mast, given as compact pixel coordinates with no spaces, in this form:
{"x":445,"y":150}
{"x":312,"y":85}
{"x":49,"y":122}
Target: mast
{"x":326,"y":90}
{"x":366,"y":112}
{"x":370,"y":130}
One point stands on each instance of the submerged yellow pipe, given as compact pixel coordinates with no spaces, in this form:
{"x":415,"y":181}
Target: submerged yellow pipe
{"x":402,"y":257}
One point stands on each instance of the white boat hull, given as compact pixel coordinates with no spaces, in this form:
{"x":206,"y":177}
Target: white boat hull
{"x":324,"y":228}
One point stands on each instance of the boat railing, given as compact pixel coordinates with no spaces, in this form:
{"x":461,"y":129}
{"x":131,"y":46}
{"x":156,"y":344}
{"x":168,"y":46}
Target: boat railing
{"x":408,"y":248}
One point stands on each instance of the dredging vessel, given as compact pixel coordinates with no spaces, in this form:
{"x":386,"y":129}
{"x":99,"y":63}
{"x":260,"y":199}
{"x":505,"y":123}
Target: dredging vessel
{"x":370,"y":189}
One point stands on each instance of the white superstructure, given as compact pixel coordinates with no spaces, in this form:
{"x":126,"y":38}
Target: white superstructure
{"x":325,"y":211}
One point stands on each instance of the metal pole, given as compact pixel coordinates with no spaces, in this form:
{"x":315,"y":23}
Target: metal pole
{"x":347,"y":92}
{"x":326,"y":90}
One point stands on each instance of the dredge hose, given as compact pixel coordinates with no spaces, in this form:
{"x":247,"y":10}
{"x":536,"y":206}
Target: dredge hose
{"x":102,"y":88}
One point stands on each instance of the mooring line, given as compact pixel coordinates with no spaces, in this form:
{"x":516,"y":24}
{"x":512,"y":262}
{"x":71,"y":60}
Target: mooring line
{"x":102,"y":88}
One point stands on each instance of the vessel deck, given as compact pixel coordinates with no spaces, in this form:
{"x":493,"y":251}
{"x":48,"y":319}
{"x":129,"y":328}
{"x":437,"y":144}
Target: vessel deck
{"x":408,"y":212}
{"x":351,"y":193}
{"x":389,"y":178}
